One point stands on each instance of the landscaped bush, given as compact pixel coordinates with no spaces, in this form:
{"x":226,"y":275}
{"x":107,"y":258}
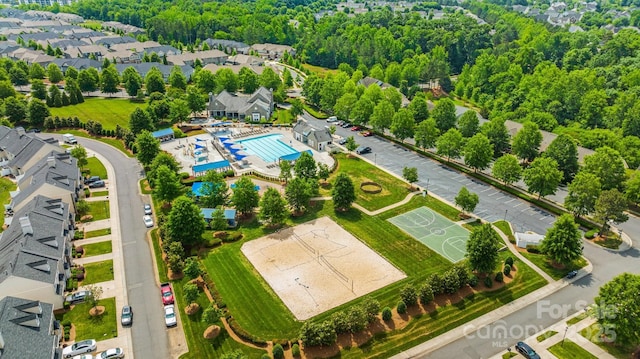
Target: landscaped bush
{"x":212,"y":242}
{"x":192,"y":268}
{"x":426,"y":294}
{"x":435,"y":281}
{"x":66,"y":336}
{"x":295,"y":350}
{"x":66,"y":323}
{"x":265,"y":356}
{"x":409,"y":295}
{"x":386,"y":314}
{"x":232,"y":237}
{"x":488,"y":282}
{"x":499,"y":277}
{"x":278,"y":352}
{"x":356,"y":319}
{"x":532,"y":249}
{"x":210,"y":315}
{"x":450,"y":281}
{"x":506,"y":270}
{"x":314,"y":334}
{"x":509,"y":261}
{"x":340,"y":322}
{"x":402,"y":307}
{"x":473,"y":281}
{"x":243,"y":333}
{"x":78,"y":235}
{"x":371,"y":308}
{"x":590,"y":234}
{"x":463,"y":274}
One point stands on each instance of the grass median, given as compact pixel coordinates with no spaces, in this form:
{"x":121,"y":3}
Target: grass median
{"x":542,"y":262}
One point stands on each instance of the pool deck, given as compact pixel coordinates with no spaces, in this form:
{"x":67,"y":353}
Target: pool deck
{"x":183,"y":149}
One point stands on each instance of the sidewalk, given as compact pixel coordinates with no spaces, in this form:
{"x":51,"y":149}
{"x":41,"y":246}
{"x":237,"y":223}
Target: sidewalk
{"x":564,"y":332}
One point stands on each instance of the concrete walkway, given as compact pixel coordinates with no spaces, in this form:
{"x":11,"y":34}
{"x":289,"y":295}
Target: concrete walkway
{"x":82,"y":242}
{"x":564,"y":332}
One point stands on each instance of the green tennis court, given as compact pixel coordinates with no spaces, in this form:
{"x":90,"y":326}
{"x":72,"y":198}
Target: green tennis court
{"x":435,"y":231}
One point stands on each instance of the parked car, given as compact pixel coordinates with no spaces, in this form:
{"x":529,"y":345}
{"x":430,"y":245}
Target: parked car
{"x":83,"y":356}
{"x":332,"y":119}
{"x":85,"y":346}
{"x":356,"y":128}
{"x":572,"y":274}
{"x":91,"y":179}
{"x":367,"y":133}
{"x":363,"y":149}
{"x":526,"y":351}
{"x":342,"y":141}
{"x":340,"y":123}
{"x":147,"y":209}
{"x":97,"y":184}
{"x":78,"y":297}
{"x":167,"y":293}
{"x":148,"y":221}
{"x":126,"y":318}
{"x":346,"y":125}
{"x":113,"y":353}
{"x":170,"y":316}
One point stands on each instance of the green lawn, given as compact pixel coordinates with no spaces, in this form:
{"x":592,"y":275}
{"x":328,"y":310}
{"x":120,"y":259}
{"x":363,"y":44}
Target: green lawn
{"x":570,"y":350}
{"x":99,"y":210}
{"x":611,"y":242}
{"x":97,"y":233}
{"x":98,"y":272}
{"x":100,"y":193}
{"x":577,"y":318}
{"x":509,"y":355}
{"x":88,"y":327}
{"x":546,"y":335}
{"x":393,"y":189}
{"x":541,"y":261}
{"x":108,"y":140}
{"x":96,"y":249}
{"x":108,"y":111}
{"x":95,"y":168}
{"x":506,"y":229}
{"x":315,"y":112}
{"x":284,"y":117}
{"x":5,"y":187}
{"x":593,"y":333}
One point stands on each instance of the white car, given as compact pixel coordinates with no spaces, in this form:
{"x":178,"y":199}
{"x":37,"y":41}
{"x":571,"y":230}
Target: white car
{"x":85,"y":346}
{"x":83,"y":356}
{"x":113,"y":353}
{"x":148,"y":221}
{"x":147,"y":209}
{"x":170,"y":316}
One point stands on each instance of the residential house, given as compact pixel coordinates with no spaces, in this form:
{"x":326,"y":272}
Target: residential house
{"x":30,"y":56}
{"x":205,"y":57}
{"x":230,"y":215}
{"x":136,"y":46}
{"x":77,"y":63}
{"x":272,"y":51}
{"x":235,"y":68}
{"x":242,"y":59}
{"x":127,"y":29}
{"x":144,"y":67}
{"x":28,"y":329}
{"x":163,"y":50}
{"x":166,"y":134}
{"x":318,"y":139}
{"x":228,"y":46}
{"x":35,"y":252}
{"x":252,"y":107}
{"x":124,"y":57}
{"x":19,"y":150}
{"x":108,"y":41}
{"x":90,"y":51}
{"x":54,"y":176}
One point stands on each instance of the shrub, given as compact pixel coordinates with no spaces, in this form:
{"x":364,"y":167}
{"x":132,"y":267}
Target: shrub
{"x":265,"y":356}
{"x":473,"y":281}
{"x":499,"y":277}
{"x":78,"y":235}
{"x":506,"y":270}
{"x":426,"y":294}
{"x":435,"y":281}
{"x":509,"y":261}
{"x":278,"y":352}
{"x":409,"y":295}
{"x":450,"y":281}
{"x":232,"y":237}
{"x":295,"y":350}
{"x":340,"y":322}
{"x":590,"y":234}
{"x":210,"y":315}
{"x":463,"y":274}
{"x":66,"y":305}
{"x":192,"y":267}
{"x":314,"y":334}
{"x":66,"y":323}
{"x":402,"y":307}
{"x":66,"y":336}
{"x":175,"y":263}
{"x":533,"y":249}
{"x":386,"y":314}
{"x":371,"y":308}
{"x":191,"y":292}
{"x":488,"y":282}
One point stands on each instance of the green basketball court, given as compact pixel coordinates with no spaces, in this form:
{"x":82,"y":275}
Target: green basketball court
{"x":435,"y":231}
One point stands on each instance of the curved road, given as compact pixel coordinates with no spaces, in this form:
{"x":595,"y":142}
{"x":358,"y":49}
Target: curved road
{"x":149,"y":333}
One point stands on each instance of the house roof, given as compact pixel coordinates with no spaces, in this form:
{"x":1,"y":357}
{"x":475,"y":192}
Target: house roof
{"x":180,"y":59}
{"x":59,"y":170}
{"x":319,"y":135}
{"x":162,"y":133}
{"x":27,"y":327}
{"x":211,"y":166}
{"x":145,"y":67}
{"x":226,"y":43}
{"x":241,"y":103}
{"x":22,"y":147}
{"x":207,"y":213}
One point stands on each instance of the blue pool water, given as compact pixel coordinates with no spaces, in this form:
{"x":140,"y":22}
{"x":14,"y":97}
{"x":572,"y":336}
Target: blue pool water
{"x":268,"y":147}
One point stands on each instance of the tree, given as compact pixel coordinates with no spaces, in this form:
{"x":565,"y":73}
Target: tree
{"x":227,"y":80}
{"x":565,"y":151}
{"x":139,"y":121}
{"x":37,"y":112}
{"x":419,"y":108}
{"x":351,"y":144}
{"x":542,"y":176}
{"x":344,"y":105}
{"x":54,"y":74}
{"x":36,"y":71}
{"x":88,"y":80}
{"x":270,"y":79}
{"x":273,"y":208}
{"x":619,"y":310}
{"x":526,"y":143}
{"x":95,"y":294}
{"x":305,"y":166}
{"x":297,"y":107}
{"x":191,"y":292}
{"x":195,"y":100}
{"x":410,"y":174}
{"x":450,"y":144}
{"x":497,"y":132}
{"x":147,"y":147}
{"x":179,"y":110}
{"x":584,"y":191}
{"x":18,"y":76}
{"x":132,"y":81}
{"x":15,"y":109}
{"x":632,"y":191}
{"x":507,"y":169}
{"x":478,"y":152}
{"x":245,"y":196}
{"x":382,"y":115}
{"x":630,"y":151}
{"x":167,"y":184}
{"x":607,"y":165}
{"x":249,"y":80}
{"x":71,"y":73}
{"x":343,"y":192}
{"x":192,"y":267}
{"x":38,"y":89}
{"x":210,"y":315}
{"x":214,"y":191}
{"x":163,"y":158}
{"x":54,"y":97}
{"x":402,"y":124}
{"x":177,"y":79}
{"x":610,"y":206}
{"x":298,"y":193}
{"x":285,"y":170}
{"x":563,"y":241}
{"x":466,"y":200}
{"x":80,"y":154}
{"x":426,"y":133}
{"x":469,"y":123}
{"x":184,"y":215}
{"x":109,"y":80}
{"x":154,"y":82}
{"x":323,"y":172}
{"x":362,"y":110}
{"x":482,"y":249}
{"x":445,"y":114}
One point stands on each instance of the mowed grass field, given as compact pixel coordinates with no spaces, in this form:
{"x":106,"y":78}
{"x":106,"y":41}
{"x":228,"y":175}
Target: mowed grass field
{"x":108,"y":111}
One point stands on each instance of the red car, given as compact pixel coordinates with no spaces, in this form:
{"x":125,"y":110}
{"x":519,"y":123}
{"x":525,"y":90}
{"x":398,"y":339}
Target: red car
{"x":367,"y":133}
{"x":167,"y":293}
{"x":356,"y":128}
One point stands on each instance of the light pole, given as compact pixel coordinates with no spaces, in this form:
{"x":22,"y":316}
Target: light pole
{"x":375,"y":159}
{"x":565,"y":335}
{"x":505,"y":214}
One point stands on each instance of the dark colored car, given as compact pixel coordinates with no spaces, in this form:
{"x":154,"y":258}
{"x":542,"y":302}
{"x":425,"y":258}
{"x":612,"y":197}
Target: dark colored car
{"x":97,"y":184}
{"x":572,"y":274}
{"x":342,"y":141}
{"x":363,"y":149}
{"x":526,"y":351}
{"x":345,"y":125}
{"x":91,"y":179}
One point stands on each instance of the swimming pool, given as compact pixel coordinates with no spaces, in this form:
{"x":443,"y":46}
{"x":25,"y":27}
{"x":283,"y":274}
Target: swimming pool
{"x":268,"y":147}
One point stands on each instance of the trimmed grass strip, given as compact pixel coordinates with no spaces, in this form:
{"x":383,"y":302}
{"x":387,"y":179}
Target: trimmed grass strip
{"x":546,"y":335}
{"x":95,"y":249}
{"x":99,"y":210}
{"x":97,"y":233}
{"x":98,"y":272}
{"x":570,"y":350}
{"x":6,"y":186}
{"x":541,"y":261}
{"x":95,"y":168}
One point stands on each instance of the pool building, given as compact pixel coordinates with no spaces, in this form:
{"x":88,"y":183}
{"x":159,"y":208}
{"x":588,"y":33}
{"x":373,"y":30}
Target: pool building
{"x":318,"y":139}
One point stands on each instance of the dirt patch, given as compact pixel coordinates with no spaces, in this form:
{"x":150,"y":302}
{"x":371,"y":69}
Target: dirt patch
{"x":96,"y":311}
{"x":192,"y":309}
{"x":211,"y":332}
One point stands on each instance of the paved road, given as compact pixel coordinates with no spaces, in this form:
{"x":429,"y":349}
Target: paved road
{"x":149,"y":334}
